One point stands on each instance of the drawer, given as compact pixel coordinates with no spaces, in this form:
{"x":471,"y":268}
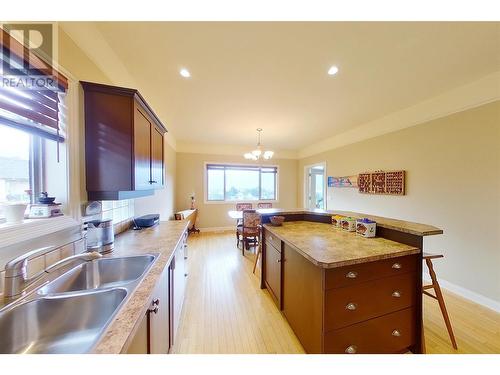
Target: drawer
{"x":392,"y":333}
{"x":346,"y":306}
{"x":358,"y":273}
{"x":273,"y":240}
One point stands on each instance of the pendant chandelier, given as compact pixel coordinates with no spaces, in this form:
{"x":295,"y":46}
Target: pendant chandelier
{"x":258,"y":153}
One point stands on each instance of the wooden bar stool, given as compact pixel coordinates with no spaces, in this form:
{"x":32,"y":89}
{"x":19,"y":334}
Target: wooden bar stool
{"x":439,"y":296}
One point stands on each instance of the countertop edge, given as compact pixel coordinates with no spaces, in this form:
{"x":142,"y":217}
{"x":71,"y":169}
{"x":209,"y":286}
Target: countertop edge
{"x":108,"y":343}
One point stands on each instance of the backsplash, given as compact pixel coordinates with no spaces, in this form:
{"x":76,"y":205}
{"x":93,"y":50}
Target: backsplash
{"x":121,"y":212}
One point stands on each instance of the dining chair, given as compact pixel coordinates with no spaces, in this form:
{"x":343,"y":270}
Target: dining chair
{"x":239,"y":222}
{"x":249,"y":232}
{"x":265,"y":205}
{"x":244,"y":206}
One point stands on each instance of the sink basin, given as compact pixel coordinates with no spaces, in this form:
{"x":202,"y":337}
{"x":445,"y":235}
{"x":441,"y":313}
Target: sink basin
{"x":69,"y":323}
{"x":100,"y":273}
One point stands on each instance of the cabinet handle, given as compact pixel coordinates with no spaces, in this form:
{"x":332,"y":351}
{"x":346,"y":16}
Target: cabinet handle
{"x":278,"y":260}
{"x":351,"y":306}
{"x":351,"y":275}
{"x":397,"y":266}
{"x":396,"y":294}
{"x":185,"y":275}
{"x":351,"y":349}
{"x":156,"y":302}
{"x":153,"y":182}
{"x":396,"y":333}
{"x":185,"y":258}
{"x":155,"y":310}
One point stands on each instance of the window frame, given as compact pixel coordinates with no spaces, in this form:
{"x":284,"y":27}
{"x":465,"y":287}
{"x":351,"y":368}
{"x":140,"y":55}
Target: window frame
{"x":225,"y":201}
{"x":35,"y":168}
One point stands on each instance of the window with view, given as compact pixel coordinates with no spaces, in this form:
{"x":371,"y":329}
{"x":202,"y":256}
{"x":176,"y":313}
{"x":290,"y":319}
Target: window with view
{"x":15,"y":165}
{"x":32,"y":127}
{"x":240,"y":182}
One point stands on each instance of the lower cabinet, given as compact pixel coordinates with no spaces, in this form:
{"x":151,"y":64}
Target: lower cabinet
{"x":273,"y":272}
{"x":303,"y":299}
{"x":158,"y":328}
{"x":153,"y":334}
{"x":179,"y":271}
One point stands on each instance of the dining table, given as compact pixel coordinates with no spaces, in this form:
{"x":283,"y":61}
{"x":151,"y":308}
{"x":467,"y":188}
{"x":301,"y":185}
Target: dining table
{"x":238,"y":215}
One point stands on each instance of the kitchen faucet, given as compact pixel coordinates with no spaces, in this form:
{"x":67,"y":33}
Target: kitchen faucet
{"x":16,"y":277}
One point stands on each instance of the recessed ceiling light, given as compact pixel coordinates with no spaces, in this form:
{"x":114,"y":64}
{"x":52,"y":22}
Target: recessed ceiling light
{"x":185,"y":73}
{"x":333,"y":70}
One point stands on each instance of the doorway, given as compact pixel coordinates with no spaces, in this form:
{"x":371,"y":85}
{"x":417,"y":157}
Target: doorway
{"x":315,"y":186}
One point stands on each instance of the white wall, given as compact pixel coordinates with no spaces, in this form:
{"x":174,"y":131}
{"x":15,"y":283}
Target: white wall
{"x":453,"y":182}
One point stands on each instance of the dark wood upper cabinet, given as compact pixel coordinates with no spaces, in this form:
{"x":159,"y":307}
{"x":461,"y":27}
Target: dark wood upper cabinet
{"x":123,"y":144}
{"x":157,"y":157}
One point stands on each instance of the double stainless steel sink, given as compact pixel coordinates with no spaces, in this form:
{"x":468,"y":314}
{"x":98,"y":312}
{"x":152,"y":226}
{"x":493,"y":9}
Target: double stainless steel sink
{"x":70,"y":313}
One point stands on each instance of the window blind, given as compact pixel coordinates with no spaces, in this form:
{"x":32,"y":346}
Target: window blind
{"x":33,"y":110}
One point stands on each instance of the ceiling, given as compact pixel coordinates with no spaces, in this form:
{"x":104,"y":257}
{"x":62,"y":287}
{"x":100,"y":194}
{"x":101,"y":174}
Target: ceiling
{"x":273,"y":75}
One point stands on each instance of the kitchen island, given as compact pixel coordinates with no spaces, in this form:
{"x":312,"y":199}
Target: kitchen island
{"x":342,"y":293}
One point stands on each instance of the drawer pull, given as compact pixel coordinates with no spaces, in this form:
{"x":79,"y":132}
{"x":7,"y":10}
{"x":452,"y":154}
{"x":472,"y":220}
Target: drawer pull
{"x":351,"y":349}
{"x":351,"y":306}
{"x":351,"y":275}
{"x":397,"y":266}
{"x":278,"y":260}
{"x":154,"y":310}
{"x":396,"y":294}
{"x":396,"y":333}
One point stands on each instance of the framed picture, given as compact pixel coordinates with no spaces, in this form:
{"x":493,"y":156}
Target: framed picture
{"x":344,"y":182}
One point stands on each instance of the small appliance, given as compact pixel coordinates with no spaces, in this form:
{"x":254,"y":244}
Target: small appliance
{"x":100,"y":235}
{"x":146,"y":221}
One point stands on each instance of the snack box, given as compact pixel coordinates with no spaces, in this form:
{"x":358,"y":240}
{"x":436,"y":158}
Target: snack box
{"x":366,"y":227}
{"x":349,"y":224}
{"x":337,"y":221}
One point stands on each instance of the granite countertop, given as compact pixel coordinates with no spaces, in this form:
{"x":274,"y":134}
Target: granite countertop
{"x":330,"y":247}
{"x":399,"y":225}
{"x":162,"y":239}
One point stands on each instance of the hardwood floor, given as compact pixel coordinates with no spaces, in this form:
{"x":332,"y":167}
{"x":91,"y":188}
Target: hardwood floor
{"x":225,"y":311}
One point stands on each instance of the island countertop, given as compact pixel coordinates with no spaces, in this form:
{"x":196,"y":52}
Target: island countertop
{"x":161,"y":239}
{"x":330,"y":247}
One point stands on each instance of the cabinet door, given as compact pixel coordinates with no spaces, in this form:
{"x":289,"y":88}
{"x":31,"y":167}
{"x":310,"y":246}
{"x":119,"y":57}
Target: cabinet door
{"x":303,"y":299}
{"x":140,"y":342}
{"x":156,"y":158}
{"x":160,"y":317}
{"x":273,"y":272}
{"x":142,"y":150}
{"x":179,"y":286}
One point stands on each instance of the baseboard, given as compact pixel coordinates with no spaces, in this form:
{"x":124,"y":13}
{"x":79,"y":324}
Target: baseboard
{"x":217,"y":229}
{"x":466,"y":293}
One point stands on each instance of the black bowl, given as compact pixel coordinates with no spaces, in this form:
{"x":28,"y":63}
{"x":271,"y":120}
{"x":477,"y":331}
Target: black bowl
{"x":46,"y":200}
